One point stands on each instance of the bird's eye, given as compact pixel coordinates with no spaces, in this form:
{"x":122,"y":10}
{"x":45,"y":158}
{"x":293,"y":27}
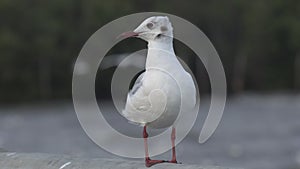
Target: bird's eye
{"x":150,"y":25}
{"x":158,"y":36}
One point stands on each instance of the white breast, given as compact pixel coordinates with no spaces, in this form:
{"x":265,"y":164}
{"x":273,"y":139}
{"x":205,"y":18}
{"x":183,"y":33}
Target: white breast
{"x":161,"y":92}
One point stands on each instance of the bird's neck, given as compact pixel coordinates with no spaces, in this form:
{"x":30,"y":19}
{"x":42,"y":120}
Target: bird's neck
{"x":160,"y":54}
{"x":166,"y":44}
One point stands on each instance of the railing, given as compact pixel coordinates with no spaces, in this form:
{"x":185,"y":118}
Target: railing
{"x":10,"y":160}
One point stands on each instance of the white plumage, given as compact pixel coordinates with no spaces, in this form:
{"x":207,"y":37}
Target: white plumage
{"x":162,"y":90}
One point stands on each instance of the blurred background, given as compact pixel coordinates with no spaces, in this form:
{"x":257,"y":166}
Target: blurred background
{"x":258,"y":42}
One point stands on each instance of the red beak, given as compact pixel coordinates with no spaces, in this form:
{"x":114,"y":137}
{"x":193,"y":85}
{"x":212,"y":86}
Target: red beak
{"x":128,"y":34}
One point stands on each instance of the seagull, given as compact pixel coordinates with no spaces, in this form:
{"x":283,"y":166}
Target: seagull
{"x":155,"y":99}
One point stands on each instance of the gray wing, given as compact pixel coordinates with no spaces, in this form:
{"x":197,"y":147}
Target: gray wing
{"x":137,"y":84}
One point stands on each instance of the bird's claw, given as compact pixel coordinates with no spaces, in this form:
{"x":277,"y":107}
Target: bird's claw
{"x":149,"y":162}
{"x":174,"y":161}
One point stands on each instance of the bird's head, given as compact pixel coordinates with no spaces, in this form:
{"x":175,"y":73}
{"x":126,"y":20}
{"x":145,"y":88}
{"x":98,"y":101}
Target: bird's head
{"x":155,"y":28}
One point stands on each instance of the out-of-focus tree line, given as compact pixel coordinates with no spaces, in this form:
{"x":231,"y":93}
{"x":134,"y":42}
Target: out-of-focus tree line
{"x":258,"y":41}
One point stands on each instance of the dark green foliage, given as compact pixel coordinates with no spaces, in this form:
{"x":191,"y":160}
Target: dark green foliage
{"x":40,"y":40}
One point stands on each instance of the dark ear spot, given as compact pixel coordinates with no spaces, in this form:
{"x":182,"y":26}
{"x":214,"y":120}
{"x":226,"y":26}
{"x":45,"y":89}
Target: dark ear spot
{"x":163,"y":28}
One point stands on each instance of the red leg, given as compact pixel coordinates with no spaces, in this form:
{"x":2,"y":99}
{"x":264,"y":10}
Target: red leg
{"x":173,"y":137}
{"x":148,"y":161}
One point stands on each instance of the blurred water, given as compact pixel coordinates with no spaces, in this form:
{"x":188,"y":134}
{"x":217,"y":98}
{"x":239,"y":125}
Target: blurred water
{"x":256,"y":132}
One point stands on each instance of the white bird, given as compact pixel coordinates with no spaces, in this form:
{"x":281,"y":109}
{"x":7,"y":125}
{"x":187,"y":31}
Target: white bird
{"x":156,"y":97}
